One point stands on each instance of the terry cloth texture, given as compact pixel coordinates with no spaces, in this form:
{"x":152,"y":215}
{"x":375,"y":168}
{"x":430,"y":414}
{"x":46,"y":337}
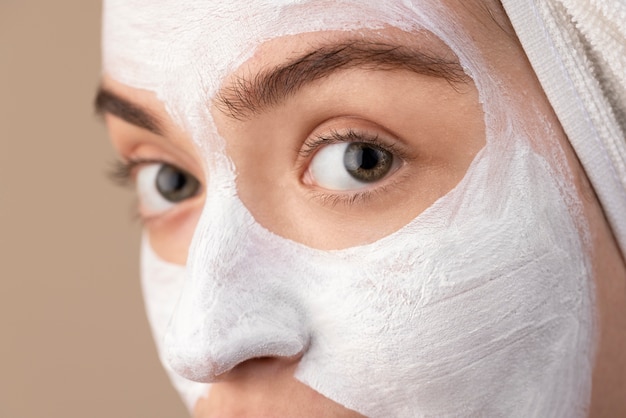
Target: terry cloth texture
{"x":578,"y":51}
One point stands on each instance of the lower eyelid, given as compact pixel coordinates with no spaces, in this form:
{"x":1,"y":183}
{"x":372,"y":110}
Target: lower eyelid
{"x":348,"y":198}
{"x":179,"y":210}
{"x":333,"y":198}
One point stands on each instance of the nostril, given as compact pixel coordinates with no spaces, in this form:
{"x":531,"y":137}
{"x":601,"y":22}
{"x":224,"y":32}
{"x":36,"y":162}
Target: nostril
{"x":260,"y":368}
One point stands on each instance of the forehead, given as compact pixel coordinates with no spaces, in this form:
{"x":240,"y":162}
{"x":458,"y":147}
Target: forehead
{"x":183,"y":50}
{"x":146,"y":41}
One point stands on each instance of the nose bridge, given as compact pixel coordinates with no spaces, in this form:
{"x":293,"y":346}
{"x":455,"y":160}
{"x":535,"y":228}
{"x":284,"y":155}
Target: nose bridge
{"x":235,"y":304}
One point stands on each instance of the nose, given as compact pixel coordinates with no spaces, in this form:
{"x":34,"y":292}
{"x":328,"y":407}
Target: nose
{"x":238,"y":301}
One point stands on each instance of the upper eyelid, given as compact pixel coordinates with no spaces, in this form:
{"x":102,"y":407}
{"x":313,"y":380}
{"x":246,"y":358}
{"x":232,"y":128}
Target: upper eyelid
{"x":122,"y":171}
{"x":167,"y":146}
{"x":311,"y":145}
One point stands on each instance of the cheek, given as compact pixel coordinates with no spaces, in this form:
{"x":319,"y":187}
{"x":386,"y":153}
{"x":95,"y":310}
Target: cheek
{"x":171,"y":235}
{"x":497,"y":305}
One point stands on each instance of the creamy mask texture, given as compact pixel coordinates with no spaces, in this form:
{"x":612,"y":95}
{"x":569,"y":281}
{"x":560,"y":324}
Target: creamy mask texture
{"x":480,"y":306}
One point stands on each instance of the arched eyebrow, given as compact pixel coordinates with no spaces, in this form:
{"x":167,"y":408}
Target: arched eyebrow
{"x":244,"y":97}
{"x":108,"y":102}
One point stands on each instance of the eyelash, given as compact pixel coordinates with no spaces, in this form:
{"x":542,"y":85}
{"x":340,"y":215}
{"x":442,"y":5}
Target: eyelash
{"x":347,"y":200}
{"x":333,"y":137}
{"x":122,"y":170}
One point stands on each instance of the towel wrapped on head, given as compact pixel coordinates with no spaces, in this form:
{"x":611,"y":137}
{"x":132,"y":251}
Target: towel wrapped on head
{"x":578,"y":51}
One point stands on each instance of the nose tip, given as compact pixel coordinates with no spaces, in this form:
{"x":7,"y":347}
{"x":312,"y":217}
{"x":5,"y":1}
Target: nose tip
{"x":212,"y":332}
{"x":210,"y":361}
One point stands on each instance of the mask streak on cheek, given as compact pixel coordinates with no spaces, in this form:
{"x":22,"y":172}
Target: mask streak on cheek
{"x":481,"y":293}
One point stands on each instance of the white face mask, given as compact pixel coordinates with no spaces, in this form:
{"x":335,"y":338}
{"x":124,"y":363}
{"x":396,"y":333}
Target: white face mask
{"x":482,"y":305}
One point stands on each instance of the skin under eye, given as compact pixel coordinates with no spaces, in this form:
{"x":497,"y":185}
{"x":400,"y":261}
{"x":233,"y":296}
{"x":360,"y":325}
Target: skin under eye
{"x":162,"y":186}
{"x":346,"y":166}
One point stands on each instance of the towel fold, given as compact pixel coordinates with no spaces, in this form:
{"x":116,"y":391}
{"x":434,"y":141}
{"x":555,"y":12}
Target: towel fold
{"x":578,"y":51}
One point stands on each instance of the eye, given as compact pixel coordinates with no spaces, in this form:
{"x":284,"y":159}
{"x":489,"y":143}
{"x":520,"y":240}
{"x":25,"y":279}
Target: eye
{"x":161,"y":186}
{"x":347,"y":166}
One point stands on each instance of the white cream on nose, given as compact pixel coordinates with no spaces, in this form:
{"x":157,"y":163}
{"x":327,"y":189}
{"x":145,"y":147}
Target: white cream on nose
{"x":237,"y":302}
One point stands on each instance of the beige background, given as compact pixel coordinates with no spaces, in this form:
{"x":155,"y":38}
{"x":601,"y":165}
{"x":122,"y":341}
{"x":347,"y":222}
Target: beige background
{"x":74,"y":340}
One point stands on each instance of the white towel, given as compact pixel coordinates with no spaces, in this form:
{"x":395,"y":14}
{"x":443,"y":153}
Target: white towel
{"x":578,"y":51}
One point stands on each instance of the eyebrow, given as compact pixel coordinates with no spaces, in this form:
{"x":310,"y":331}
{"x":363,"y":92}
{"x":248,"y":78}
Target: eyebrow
{"x":108,"y":102}
{"x":249,"y":96}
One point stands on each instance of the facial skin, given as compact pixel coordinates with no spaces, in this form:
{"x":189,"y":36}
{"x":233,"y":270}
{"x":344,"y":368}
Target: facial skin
{"x":274,"y":183}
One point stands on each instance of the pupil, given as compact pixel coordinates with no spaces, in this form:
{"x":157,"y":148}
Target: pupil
{"x":369,"y":158}
{"x":174,"y":184}
{"x":367,"y":163}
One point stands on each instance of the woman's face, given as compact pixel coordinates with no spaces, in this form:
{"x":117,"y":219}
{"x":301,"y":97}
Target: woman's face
{"x":351,"y":209}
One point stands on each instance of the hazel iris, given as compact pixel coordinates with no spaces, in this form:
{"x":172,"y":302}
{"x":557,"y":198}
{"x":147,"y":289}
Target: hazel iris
{"x":175,"y":184}
{"x":366,"y":162}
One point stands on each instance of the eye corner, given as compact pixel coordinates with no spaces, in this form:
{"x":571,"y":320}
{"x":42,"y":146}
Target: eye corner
{"x":119,"y":172}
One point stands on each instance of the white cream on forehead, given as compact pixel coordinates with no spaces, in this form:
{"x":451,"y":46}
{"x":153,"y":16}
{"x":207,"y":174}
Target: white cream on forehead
{"x":482,"y":305}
